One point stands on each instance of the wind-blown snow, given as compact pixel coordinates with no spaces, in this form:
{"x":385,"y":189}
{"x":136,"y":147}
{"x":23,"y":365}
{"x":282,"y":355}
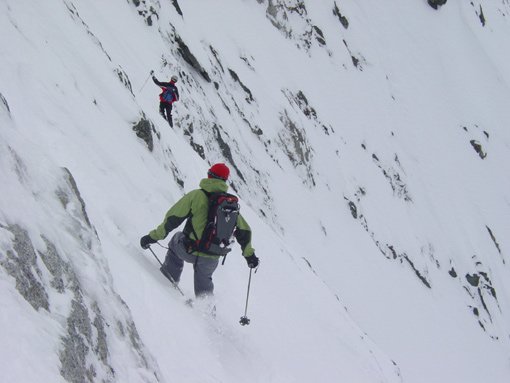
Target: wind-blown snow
{"x":372,"y":163}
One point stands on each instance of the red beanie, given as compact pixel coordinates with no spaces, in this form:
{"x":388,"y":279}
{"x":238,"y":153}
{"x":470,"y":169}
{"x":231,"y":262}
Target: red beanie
{"x":220,"y":171}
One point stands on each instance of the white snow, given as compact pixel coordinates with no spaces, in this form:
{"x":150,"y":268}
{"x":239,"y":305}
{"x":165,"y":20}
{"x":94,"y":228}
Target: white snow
{"x":326,"y":304}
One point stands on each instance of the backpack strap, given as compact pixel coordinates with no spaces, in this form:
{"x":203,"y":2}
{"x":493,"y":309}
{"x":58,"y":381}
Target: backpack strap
{"x":192,"y":245}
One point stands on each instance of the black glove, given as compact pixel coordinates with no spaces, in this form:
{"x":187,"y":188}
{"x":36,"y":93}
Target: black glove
{"x":252,"y":261}
{"x":146,"y":241}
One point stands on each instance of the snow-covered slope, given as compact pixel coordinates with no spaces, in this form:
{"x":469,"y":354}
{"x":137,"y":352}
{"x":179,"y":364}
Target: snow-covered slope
{"x":368,"y":142}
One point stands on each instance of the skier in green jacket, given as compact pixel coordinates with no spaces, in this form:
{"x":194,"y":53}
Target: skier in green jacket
{"x":194,"y":207}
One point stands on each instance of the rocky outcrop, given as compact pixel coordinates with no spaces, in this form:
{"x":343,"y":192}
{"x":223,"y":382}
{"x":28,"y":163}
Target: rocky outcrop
{"x":294,"y":143}
{"x":55,"y":284}
{"x":291,"y":18}
{"x":189,"y":57}
{"x":20,"y":263}
{"x":147,"y":10}
{"x":436,"y":3}
{"x":144,"y":129}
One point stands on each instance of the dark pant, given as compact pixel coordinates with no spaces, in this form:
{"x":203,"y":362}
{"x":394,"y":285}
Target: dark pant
{"x":165,"y":107}
{"x":203,"y":266}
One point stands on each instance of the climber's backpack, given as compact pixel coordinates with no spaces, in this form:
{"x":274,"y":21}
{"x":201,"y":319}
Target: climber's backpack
{"x":168,"y":94}
{"x":221,"y":223}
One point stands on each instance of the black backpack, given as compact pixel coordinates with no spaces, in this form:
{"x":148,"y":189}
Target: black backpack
{"x":221,"y":223}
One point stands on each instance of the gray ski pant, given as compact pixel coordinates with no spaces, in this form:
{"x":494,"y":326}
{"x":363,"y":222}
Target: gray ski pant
{"x":203,"y":266}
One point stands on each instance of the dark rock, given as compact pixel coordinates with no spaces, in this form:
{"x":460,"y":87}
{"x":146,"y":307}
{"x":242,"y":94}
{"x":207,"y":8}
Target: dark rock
{"x":436,"y":3}
{"x":145,"y":10}
{"x":393,"y":252}
{"x":398,"y":186}
{"x":249,"y":97}
{"x":309,"y":265}
{"x":295,"y":145}
{"x":22,"y":266}
{"x":473,"y":280}
{"x":176,"y":6}
{"x":186,"y":54}
{"x":124,"y":79}
{"x":308,"y":111}
{"x":478,"y":148}
{"x":4,"y":101}
{"x":353,"y":209}
{"x":226,"y":151}
{"x":199,"y":149}
{"x":55,"y":265}
{"x":73,"y":356}
{"x":494,"y":240}
{"x":355,"y":60}
{"x":143,"y":130}
{"x":216,"y":56}
{"x":137,"y":343}
{"x":319,"y":35}
{"x":101,"y":348}
{"x":481,"y":16}
{"x":74,"y":188}
{"x":343,"y":19}
{"x":255,"y":129}
{"x":417,"y":272}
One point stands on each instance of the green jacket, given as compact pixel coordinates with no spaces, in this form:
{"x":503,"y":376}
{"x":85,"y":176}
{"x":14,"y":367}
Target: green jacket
{"x":194,"y":205}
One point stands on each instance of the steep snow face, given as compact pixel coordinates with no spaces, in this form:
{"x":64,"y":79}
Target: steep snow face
{"x":368,"y":143}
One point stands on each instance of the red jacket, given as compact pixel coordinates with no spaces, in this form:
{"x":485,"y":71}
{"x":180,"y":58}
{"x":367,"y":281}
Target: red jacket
{"x":164,"y":86}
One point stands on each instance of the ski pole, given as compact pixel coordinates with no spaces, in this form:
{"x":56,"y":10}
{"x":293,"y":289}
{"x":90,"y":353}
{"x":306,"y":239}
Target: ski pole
{"x":147,"y":79}
{"x":155,"y":256}
{"x":244,"y":319}
{"x":173,"y":283}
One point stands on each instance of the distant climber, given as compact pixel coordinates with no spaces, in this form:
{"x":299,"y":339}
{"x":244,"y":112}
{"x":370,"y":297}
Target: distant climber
{"x":212,"y":218}
{"x":169,"y":95}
